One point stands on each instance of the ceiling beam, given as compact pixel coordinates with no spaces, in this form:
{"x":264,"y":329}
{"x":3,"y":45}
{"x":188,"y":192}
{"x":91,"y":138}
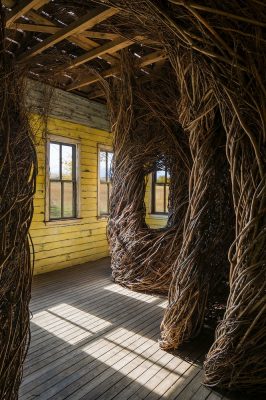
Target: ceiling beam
{"x":152,"y":58}
{"x":100,"y":35}
{"x":143,"y":62}
{"x":83,"y":42}
{"x":54,"y":29}
{"x":110,"y":47}
{"x":86,"y":22}
{"x":22,"y":8}
{"x":35,"y":28}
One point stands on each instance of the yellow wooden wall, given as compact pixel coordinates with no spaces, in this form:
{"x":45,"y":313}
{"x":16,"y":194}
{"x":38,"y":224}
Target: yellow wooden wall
{"x":62,"y":244}
{"x":57,"y":244}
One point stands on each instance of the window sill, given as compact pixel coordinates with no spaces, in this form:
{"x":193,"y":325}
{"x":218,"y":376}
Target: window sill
{"x":103,"y":217}
{"x":63,"y":222}
{"x":158,"y":216}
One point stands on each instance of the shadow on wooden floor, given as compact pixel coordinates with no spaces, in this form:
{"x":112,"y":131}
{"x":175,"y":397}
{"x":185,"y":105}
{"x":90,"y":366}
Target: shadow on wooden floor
{"x":92,"y":339}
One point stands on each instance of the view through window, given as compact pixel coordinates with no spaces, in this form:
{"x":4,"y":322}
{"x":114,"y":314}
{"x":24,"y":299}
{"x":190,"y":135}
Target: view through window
{"x":160,"y":191}
{"x":62,"y":180}
{"x":105,"y":180}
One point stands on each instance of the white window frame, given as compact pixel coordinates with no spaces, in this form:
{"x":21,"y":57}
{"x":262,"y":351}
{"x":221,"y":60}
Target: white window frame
{"x":101,"y":147}
{"x":67,"y":140}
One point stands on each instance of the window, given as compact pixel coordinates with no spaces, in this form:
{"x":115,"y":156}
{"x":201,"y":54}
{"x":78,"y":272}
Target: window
{"x":105,"y":180}
{"x":62,"y":199}
{"x":160,"y":191}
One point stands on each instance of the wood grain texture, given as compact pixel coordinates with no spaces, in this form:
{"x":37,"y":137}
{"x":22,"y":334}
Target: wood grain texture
{"x":93,"y":339}
{"x":68,"y":106}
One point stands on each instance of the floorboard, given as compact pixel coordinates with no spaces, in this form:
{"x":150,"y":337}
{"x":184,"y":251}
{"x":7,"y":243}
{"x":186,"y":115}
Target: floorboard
{"x":95,"y":340}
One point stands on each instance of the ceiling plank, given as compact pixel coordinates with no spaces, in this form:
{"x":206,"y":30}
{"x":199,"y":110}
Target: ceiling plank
{"x":22,"y":8}
{"x":110,"y":47}
{"x":86,"y":22}
{"x":83,"y":42}
{"x":143,"y":62}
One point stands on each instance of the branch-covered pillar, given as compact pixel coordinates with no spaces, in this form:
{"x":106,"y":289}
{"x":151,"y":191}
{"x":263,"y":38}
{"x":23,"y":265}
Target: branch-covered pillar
{"x":17,"y":186}
{"x":236,"y":360}
{"x":146,"y":135}
{"x":202,"y":261}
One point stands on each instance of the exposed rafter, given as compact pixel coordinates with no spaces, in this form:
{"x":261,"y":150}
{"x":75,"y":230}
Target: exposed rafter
{"x":79,"y":33}
{"x":53,"y":29}
{"x":143,"y":62}
{"x":35,"y":28}
{"x":22,"y":8}
{"x":100,"y":35}
{"x":86,"y":22}
{"x":84,"y":42}
{"x":110,"y":47}
{"x":152,"y":58}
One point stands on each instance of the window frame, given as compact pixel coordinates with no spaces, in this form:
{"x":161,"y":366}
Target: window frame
{"x":67,"y":141}
{"x":107,"y":149}
{"x":153,"y":194}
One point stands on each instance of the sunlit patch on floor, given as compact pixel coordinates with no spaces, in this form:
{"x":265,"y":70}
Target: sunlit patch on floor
{"x":129,"y":293}
{"x":80,"y":318}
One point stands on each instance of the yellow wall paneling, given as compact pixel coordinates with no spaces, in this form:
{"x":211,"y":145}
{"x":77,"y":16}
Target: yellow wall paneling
{"x":63,"y":243}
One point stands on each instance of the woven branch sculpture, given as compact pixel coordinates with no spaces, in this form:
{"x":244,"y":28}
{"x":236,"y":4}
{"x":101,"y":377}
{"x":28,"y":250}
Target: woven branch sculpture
{"x":145,"y":136}
{"x":17,"y":187}
{"x":226,"y":42}
{"x":202,"y":261}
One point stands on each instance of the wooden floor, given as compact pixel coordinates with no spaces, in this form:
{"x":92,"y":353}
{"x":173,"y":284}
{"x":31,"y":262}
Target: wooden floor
{"x":92,"y":339}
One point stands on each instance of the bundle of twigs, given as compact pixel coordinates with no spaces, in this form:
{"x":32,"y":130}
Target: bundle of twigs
{"x":17,"y":186}
{"x":237,"y":358}
{"x":202,"y":261}
{"x":226,"y":42}
{"x":146,"y":135}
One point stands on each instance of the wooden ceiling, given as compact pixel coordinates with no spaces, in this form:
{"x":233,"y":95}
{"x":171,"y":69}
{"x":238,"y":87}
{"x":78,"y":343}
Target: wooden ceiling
{"x":70,"y":46}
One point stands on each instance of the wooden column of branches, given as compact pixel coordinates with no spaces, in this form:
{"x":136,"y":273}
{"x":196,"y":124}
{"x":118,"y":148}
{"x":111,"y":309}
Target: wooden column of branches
{"x":146,"y":136}
{"x":17,"y":186}
{"x":202,"y":261}
{"x":226,"y":40}
{"x":237,"y":358}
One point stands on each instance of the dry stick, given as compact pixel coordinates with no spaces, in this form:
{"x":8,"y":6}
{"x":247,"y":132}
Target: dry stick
{"x":17,"y":177}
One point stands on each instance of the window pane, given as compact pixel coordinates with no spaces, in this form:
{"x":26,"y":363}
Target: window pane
{"x":54,"y":161}
{"x":103,"y":162}
{"x":109,"y":166}
{"x":103,"y":198}
{"x":167,"y":196}
{"x":160,"y":176}
{"x":168,"y":177}
{"x":68,"y":199}
{"x":55,"y":199}
{"x":159,"y":198}
{"x":67,"y":160}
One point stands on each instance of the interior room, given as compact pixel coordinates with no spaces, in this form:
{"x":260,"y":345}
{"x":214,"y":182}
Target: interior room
{"x":132,"y":200}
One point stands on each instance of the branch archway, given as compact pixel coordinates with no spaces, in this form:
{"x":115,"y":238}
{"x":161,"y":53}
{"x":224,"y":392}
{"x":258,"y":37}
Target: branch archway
{"x":144,"y":137}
